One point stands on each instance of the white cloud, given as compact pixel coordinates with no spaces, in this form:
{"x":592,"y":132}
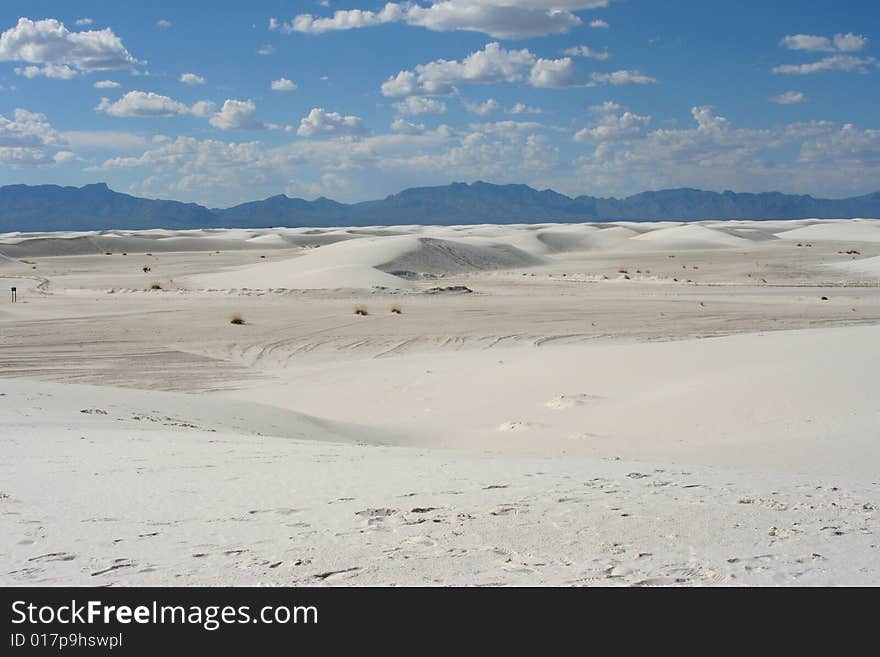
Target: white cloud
{"x":341,"y":20}
{"x":553,"y":73}
{"x":106,"y":84}
{"x":405,"y":127}
{"x":504,"y":19}
{"x":522,"y":108}
{"x":586,"y":51}
{"x":163,"y":23}
{"x":84,"y":21}
{"x":265,"y":50}
{"x":48,"y":71}
{"x":789,"y":98}
{"x":146,"y":104}
{"x":621,"y":77}
{"x":27,"y":139}
{"x":598,"y":24}
{"x":838,"y":43}
{"x":849,"y":146}
{"x":237,"y":115}
{"x":491,"y":65}
{"x":614,"y":124}
{"x":283,"y":84}
{"x":143,"y":104}
{"x":714,"y":154}
{"x":49,"y":44}
{"x":415,"y":105}
{"x":320,"y":123}
{"x":482,"y":109}
{"x":64,"y":157}
{"x":845,"y":63}
{"x":203,"y":109}
{"x":192,"y":79}
{"x":850,"y":42}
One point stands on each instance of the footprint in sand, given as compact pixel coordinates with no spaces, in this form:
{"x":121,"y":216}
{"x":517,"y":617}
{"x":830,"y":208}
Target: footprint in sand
{"x":562,"y":402}
{"x":515,"y":425}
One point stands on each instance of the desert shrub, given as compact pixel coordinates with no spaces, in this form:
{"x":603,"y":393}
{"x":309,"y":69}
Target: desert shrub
{"x":238,"y":319}
{"x":396,"y":309}
{"x":360,"y":310}
{"x":156,"y":286}
{"x":147,"y":268}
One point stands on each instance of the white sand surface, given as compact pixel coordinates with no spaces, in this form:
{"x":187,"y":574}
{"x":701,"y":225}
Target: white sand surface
{"x":623,"y":404}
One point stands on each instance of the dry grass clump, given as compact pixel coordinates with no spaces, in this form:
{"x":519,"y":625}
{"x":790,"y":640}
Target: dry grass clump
{"x":238,"y":319}
{"x":147,"y":269}
{"x":27,"y":262}
{"x":623,"y":270}
{"x":156,"y":285}
{"x":396,"y":309}
{"x":361,"y":310}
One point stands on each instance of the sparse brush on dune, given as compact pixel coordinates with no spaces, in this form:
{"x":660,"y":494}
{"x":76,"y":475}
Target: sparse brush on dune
{"x":238,"y":319}
{"x":360,"y":310}
{"x":156,"y":286}
{"x":147,"y":269}
{"x":396,"y":310}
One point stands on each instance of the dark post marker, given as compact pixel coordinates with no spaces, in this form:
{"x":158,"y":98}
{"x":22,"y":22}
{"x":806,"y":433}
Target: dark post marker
{"x":14,"y":294}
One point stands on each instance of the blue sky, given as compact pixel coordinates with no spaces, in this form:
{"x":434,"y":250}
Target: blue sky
{"x":357,"y":100}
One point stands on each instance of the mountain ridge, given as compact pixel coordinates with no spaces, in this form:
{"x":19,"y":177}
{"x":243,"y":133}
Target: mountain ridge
{"x":95,"y":206}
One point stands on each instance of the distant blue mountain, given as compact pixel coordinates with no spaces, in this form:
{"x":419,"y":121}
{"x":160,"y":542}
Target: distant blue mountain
{"x":97,"y":207}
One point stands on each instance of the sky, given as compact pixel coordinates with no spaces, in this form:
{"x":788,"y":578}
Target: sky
{"x":199,"y":101}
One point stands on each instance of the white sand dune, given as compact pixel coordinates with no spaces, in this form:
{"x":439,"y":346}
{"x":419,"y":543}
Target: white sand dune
{"x":859,"y":267}
{"x":689,"y":236}
{"x":617,"y":404}
{"x":364,"y":263}
{"x":220,"y":492}
{"x":842,"y":230}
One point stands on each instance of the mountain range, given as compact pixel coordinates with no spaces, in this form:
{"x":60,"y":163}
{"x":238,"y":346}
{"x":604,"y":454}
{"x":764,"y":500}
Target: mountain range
{"x":97,"y":207}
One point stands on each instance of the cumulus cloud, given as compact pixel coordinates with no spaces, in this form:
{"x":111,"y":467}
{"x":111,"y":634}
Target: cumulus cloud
{"x":586,"y":51}
{"x":503,"y":19}
{"x":415,"y":105}
{"x":598,"y":23}
{"x":493,"y":64}
{"x":522,"y":108}
{"x":84,"y":21}
{"x":27,"y":139}
{"x":614,"y":123}
{"x":237,"y":115}
{"x":789,"y":98}
{"x":621,"y":77}
{"x":846,"y":63}
{"x":715,"y":154}
{"x":192,"y":79}
{"x":405,"y":127}
{"x":106,"y":84}
{"x":53,"y":50}
{"x":163,"y":23}
{"x":321,"y":123}
{"x":553,"y":73}
{"x":482,"y":109}
{"x":47,"y":71}
{"x":283,"y":84}
{"x":146,"y":104}
{"x":143,"y":104}
{"x":838,"y":43}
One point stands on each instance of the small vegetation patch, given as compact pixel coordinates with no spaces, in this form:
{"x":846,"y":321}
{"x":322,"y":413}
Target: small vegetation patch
{"x":155,"y":286}
{"x":361,"y":310}
{"x":237,"y":319}
{"x":396,"y":310}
